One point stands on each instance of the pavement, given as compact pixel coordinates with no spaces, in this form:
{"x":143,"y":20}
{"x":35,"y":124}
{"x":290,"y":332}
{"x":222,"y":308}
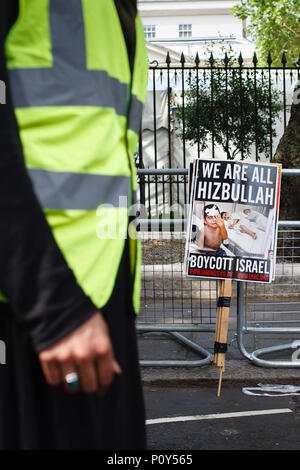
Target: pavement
{"x":238,"y":368}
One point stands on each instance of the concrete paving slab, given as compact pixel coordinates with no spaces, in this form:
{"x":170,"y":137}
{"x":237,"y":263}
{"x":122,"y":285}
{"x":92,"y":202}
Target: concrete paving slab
{"x":240,"y":372}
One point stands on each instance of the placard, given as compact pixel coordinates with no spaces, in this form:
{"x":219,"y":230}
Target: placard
{"x":233,"y":220}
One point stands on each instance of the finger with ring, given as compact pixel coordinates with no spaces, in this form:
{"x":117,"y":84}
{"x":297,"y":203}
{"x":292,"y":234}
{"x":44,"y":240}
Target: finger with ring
{"x":71,"y":381}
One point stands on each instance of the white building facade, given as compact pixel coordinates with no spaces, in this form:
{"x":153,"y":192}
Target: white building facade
{"x":192,"y":26}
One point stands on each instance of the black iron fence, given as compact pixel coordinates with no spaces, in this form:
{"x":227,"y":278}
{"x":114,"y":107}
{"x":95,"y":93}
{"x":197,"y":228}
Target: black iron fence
{"x":163,"y":198}
{"x":163,"y":193}
{"x":221,"y":109}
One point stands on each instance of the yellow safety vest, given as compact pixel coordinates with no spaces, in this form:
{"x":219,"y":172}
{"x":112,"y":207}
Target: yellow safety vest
{"x":78,"y":108}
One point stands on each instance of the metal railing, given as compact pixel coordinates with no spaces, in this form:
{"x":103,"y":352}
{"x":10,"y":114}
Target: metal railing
{"x":174,"y":305}
{"x":171,"y":303}
{"x":217,"y":106}
{"x":270,"y":311}
{"x":164,"y":192}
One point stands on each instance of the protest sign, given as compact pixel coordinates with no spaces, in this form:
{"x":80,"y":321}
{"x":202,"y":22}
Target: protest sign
{"x":233,"y":219}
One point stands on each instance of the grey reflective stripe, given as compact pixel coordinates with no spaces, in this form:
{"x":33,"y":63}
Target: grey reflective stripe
{"x":68,"y":87}
{"x":68,"y":82}
{"x":67,"y":33}
{"x":63,"y":190}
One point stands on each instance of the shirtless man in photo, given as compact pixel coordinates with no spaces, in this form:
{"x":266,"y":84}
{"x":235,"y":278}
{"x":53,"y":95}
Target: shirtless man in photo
{"x":213,"y":233}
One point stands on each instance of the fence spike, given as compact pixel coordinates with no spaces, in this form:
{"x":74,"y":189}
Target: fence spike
{"x":197,"y":60}
{"x":211,"y":59}
{"x":182,"y":59}
{"x":168,"y":59}
{"x":240,"y":60}
{"x":269,"y":60}
{"x":283,"y":59}
{"x":226,"y":59}
{"x":254,"y":60}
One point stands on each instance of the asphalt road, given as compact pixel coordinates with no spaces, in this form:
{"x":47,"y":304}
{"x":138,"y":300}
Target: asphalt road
{"x":233,"y":421}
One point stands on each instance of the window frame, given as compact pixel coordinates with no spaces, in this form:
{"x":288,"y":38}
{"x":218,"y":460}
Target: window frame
{"x":185,"y":30}
{"x":150,"y":31}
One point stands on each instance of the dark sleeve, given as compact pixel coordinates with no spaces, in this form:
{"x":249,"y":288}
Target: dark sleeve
{"x":34,"y":276}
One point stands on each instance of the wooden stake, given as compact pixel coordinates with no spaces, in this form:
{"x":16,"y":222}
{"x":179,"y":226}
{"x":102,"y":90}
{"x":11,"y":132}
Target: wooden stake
{"x":219,"y":319}
{"x":222,"y":321}
{"x":220,"y":381}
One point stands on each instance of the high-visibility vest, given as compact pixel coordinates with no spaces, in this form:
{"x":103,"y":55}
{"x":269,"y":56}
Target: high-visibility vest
{"x":78,"y":107}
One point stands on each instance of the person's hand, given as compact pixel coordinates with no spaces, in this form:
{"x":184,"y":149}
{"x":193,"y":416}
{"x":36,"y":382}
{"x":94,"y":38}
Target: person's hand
{"x":88,"y":352}
{"x":220,"y":222}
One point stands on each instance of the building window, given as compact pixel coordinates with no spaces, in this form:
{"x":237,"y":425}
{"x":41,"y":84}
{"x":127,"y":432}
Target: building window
{"x":185,"y":30}
{"x":150,"y":31}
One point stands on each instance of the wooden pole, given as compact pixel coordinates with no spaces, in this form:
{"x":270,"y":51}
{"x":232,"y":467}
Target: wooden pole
{"x":222,"y":321}
{"x":220,"y":381}
{"x":218,"y":320}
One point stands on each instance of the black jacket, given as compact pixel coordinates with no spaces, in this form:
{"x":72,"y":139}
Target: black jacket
{"x":34,"y":276}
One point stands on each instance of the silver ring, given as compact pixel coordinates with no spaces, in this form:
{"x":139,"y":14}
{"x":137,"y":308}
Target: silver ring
{"x":72,"y":380}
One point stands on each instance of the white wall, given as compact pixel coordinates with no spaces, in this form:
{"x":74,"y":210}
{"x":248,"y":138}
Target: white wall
{"x":177,"y":8}
{"x":209,"y":19}
{"x":202,"y":26}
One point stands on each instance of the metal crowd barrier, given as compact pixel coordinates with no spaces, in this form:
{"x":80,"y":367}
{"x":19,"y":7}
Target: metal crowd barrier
{"x":174,"y":305}
{"x":171,"y":304}
{"x":267,"y":312}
